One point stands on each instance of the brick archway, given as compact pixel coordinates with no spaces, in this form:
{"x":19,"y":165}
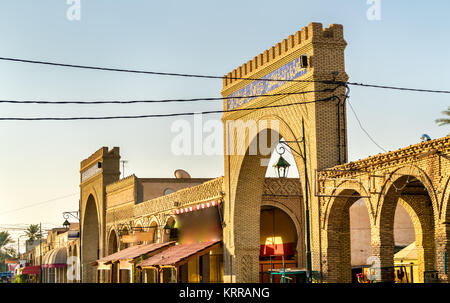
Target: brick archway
{"x":244,"y":208}
{"x":299,"y":228}
{"x":90,"y":239}
{"x":415,"y":194}
{"x":336,"y":254}
{"x":113,"y":242}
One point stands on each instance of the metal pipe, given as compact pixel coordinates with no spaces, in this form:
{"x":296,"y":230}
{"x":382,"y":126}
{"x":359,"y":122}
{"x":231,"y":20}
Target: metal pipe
{"x":339,"y":128}
{"x":308,"y":240}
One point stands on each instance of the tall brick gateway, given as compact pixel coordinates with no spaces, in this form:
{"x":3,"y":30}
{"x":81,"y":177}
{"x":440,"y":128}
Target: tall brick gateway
{"x":416,"y":177}
{"x":325,"y":128}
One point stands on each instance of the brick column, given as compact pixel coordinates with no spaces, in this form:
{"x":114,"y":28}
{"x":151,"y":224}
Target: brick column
{"x":442,"y":242}
{"x":382,"y":260}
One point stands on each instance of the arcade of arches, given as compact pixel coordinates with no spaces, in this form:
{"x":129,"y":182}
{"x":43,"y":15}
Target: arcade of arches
{"x":262,"y":220}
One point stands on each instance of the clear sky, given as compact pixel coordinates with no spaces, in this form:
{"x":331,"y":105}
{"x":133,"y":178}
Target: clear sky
{"x":408,"y":46}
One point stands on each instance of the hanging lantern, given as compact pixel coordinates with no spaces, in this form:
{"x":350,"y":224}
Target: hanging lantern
{"x":281,"y":166}
{"x":66,"y":224}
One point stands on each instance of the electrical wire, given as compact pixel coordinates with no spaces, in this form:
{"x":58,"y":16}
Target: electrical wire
{"x":159,"y":115}
{"x":151,"y":72}
{"x":219,"y":77}
{"x":360,"y":125}
{"x":39,"y":203}
{"x":162,"y":100}
{"x":399,"y":88}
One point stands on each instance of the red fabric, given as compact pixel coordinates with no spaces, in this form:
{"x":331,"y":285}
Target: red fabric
{"x":31,"y":270}
{"x":54,"y":265}
{"x":11,"y":267}
{"x":285,"y":249}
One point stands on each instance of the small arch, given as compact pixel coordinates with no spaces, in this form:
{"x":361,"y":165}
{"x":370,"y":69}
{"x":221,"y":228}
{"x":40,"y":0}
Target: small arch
{"x":348,"y":188}
{"x":337,"y":247}
{"x":410,"y":192}
{"x":296,"y":243}
{"x":396,"y":180}
{"x":113,"y":242}
{"x":172,"y":234}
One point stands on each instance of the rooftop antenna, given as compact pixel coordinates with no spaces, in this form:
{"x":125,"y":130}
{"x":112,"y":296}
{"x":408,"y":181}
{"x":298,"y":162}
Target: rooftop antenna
{"x":123,"y":167}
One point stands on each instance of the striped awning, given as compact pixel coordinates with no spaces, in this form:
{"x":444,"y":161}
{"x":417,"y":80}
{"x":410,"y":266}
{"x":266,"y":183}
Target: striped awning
{"x":199,"y":206}
{"x":56,"y":258}
{"x":31,"y":270}
{"x":134,"y":252}
{"x":179,"y":254}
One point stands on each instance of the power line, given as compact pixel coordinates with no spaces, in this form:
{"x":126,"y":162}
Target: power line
{"x":150,"y":72}
{"x":360,"y":125}
{"x":219,"y":77}
{"x":39,"y":203}
{"x":400,"y":88}
{"x":162,"y":100}
{"x":159,"y":115}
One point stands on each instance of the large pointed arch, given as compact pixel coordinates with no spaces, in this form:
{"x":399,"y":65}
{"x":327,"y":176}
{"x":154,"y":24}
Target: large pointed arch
{"x":90,"y":239}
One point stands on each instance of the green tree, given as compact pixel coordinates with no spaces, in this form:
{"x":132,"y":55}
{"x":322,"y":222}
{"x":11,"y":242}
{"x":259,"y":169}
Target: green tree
{"x":10,"y":252}
{"x":33,"y":232}
{"x":444,"y":121}
{"x":5,"y":239}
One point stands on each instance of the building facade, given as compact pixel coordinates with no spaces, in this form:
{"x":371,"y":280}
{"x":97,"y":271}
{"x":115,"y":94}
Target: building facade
{"x":293,"y":91}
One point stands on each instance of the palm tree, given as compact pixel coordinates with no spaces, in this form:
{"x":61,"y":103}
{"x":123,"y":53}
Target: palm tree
{"x":5,"y":239}
{"x":444,"y":121}
{"x":33,"y":232}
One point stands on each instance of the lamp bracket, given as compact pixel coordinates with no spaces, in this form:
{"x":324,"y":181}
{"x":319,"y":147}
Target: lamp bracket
{"x":292,"y":149}
{"x":71,"y":214}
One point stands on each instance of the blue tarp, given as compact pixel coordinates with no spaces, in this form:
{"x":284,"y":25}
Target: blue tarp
{"x":6,"y":274}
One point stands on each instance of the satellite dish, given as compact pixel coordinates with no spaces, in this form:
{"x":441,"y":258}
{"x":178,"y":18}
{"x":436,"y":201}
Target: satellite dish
{"x":182,"y":174}
{"x":425,"y":138}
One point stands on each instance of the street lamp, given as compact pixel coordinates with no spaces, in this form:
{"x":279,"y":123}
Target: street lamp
{"x":66,"y":224}
{"x":306,"y":195}
{"x":167,"y":229}
{"x":281,"y":166}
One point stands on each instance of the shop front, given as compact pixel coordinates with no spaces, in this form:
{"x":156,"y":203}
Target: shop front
{"x":120,"y":267}
{"x":30,"y":274}
{"x":55,"y":266}
{"x":198,"y":262}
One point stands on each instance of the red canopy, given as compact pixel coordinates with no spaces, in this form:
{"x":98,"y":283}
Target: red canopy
{"x":31,"y":270}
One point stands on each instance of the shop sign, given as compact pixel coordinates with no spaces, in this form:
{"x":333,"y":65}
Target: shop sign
{"x":139,"y":237}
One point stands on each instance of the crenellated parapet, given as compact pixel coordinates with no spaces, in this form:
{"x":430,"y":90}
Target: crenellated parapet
{"x":314,"y":32}
{"x":100,"y":153}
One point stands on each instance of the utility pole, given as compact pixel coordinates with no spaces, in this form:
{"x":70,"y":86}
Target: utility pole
{"x":308,"y":240}
{"x":40,"y":253}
